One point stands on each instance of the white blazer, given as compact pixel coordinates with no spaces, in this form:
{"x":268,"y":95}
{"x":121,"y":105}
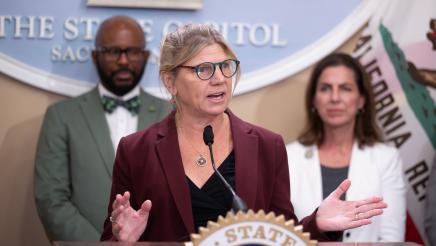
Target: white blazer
{"x":373,"y":171}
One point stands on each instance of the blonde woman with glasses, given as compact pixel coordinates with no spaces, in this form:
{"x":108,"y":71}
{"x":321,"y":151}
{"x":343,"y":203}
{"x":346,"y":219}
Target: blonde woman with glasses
{"x":164,"y":185}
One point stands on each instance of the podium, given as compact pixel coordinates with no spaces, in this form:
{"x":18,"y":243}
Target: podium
{"x":248,"y":228}
{"x":183,"y":244}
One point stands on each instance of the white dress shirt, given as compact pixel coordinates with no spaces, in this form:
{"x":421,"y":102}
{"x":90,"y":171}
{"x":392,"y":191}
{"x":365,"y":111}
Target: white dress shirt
{"x":121,"y":122}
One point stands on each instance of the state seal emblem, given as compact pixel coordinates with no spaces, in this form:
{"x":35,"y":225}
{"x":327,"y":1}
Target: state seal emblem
{"x":252,"y":229}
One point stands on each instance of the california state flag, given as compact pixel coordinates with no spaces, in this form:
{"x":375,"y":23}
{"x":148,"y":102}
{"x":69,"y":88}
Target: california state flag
{"x":398,"y":50}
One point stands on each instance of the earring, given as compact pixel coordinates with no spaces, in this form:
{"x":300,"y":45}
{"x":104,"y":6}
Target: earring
{"x":173,"y":100}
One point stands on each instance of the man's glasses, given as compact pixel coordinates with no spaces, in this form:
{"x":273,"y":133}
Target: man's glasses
{"x":206,"y":70}
{"x":114,"y":53}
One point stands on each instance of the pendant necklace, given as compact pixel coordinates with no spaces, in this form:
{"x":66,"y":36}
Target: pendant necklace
{"x":199,"y":160}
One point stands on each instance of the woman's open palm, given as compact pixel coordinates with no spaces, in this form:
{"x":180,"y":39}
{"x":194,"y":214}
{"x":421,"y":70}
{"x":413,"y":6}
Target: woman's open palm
{"x":128,"y":224}
{"x":336,"y":215}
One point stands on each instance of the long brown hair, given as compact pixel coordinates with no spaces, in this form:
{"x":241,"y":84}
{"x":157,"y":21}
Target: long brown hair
{"x":366,"y":130}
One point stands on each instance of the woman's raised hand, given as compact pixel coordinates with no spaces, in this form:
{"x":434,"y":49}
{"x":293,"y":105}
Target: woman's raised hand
{"x":336,"y":215}
{"x":127,"y":223}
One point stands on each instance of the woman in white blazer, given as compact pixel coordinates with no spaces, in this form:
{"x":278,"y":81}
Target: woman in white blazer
{"x":341,"y":141}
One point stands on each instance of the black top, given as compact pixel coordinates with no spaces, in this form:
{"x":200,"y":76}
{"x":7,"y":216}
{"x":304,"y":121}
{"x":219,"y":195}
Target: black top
{"x":331,"y":178}
{"x":213,"y":199}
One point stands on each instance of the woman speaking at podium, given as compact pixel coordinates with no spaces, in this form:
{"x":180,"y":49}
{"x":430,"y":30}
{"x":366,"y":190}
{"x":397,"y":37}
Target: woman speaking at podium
{"x":164,"y":185}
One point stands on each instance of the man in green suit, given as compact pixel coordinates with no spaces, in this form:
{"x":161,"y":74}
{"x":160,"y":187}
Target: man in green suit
{"x":79,"y":136}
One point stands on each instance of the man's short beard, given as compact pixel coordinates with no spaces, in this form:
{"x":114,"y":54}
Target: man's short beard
{"x":109,"y":82}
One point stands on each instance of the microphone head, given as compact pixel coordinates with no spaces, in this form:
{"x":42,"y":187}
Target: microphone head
{"x":208,"y":135}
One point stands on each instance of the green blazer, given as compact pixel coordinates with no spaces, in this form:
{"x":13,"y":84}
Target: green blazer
{"x":73,"y":167}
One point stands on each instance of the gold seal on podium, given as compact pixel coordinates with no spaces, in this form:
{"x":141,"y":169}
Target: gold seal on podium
{"x":252,"y":229}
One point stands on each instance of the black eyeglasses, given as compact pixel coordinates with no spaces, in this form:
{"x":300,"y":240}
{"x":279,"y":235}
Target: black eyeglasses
{"x":206,"y":70}
{"x":114,"y":53}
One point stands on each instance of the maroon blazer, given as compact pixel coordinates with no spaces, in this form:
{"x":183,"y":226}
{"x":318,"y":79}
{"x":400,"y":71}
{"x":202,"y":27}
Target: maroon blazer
{"x":149,"y":165}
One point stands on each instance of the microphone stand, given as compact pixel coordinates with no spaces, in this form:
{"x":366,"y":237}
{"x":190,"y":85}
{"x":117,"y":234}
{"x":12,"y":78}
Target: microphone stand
{"x":238,"y":204}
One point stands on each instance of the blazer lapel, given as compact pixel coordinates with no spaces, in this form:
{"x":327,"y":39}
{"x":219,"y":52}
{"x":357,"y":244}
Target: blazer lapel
{"x":356,"y":173}
{"x":95,"y":118}
{"x":246,"y":163}
{"x":149,"y":111}
{"x":169,"y":154}
{"x":313,"y":170}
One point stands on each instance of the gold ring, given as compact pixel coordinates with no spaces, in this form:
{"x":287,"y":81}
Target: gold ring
{"x":356,"y":216}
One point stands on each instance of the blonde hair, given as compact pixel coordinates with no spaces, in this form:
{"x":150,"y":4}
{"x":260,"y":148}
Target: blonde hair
{"x":186,"y":42}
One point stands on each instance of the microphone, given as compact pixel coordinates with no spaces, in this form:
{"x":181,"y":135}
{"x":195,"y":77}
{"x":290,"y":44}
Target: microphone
{"x":238,"y":204}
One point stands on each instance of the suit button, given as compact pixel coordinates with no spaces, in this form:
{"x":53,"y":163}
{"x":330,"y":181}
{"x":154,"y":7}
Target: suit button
{"x":348,"y":234}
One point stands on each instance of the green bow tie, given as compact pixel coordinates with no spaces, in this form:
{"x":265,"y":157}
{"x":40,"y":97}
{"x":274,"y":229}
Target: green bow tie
{"x":110,"y":104}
